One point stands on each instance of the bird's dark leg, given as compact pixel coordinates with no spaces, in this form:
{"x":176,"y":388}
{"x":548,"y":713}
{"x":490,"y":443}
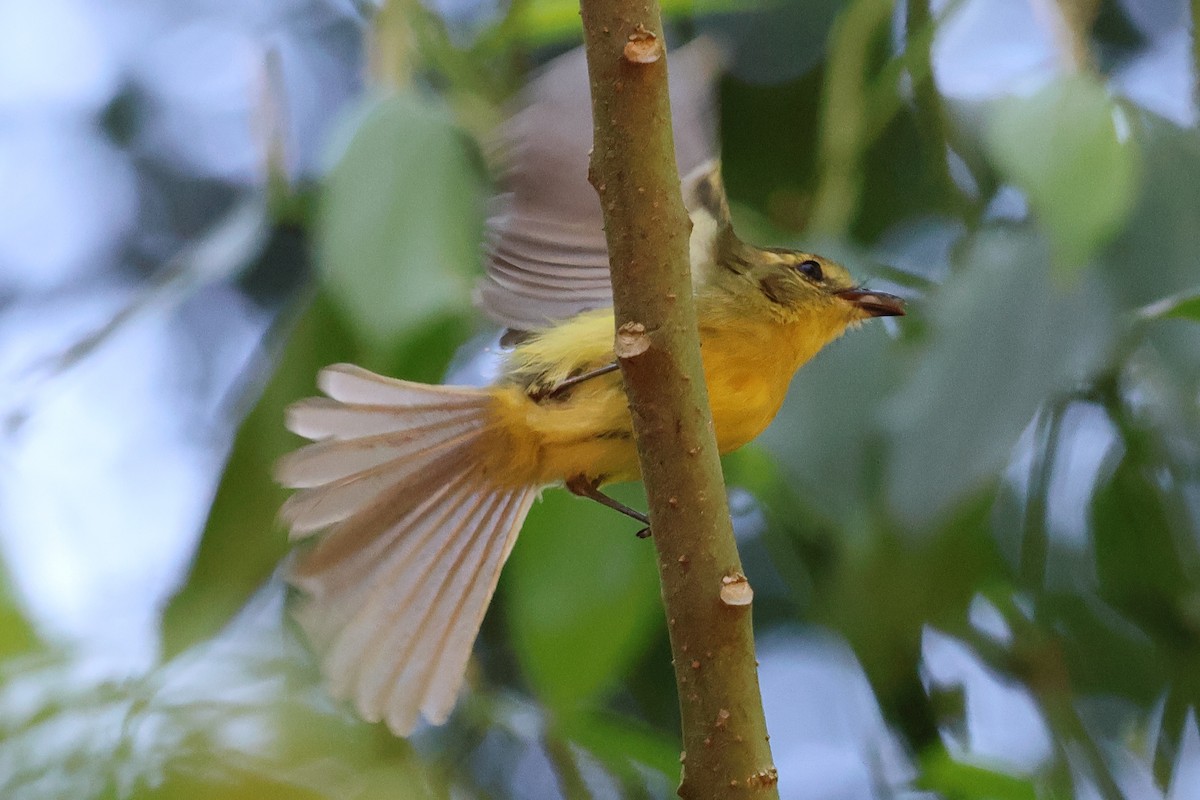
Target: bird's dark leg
{"x":551,"y":392}
{"x":582,"y":486}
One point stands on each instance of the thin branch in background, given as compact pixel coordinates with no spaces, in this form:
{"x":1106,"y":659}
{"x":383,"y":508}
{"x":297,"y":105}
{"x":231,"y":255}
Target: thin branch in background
{"x":390,"y":46}
{"x":1037,"y":659}
{"x":845,"y":115}
{"x":932,"y":122}
{"x":1035,"y":537}
{"x":1070,"y":22}
{"x":1196,"y":52}
{"x":633,"y":169}
{"x":1171,"y":729}
{"x":570,"y":780}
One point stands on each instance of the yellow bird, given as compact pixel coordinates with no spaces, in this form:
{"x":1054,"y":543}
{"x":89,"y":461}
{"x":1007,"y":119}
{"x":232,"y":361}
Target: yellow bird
{"x":421,"y":490}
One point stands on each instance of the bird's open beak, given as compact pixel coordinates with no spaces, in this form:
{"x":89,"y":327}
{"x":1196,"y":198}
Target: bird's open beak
{"x":876,"y":304}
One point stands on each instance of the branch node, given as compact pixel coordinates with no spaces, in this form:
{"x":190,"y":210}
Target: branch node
{"x":763,"y":778}
{"x":632,"y":341}
{"x":736,"y":590}
{"x":643,"y":46}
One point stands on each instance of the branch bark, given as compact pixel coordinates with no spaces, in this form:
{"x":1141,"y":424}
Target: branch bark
{"x":726,"y":750}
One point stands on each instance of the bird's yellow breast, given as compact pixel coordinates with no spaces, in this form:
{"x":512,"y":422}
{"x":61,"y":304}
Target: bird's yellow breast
{"x":747,"y":373}
{"x":588,"y":431}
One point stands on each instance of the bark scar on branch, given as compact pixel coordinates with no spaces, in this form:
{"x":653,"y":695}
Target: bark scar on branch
{"x":631,"y":340}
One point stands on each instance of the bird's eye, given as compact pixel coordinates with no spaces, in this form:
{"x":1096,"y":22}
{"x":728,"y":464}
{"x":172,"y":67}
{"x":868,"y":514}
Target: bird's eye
{"x":811,"y":270}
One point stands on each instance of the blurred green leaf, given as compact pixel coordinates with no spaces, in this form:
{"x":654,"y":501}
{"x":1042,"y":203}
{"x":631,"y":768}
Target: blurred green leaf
{"x":1138,"y":553}
{"x":827,"y":435}
{"x":582,"y":598}
{"x":1003,"y":338}
{"x":800,"y":547}
{"x":240,"y":715}
{"x":1181,"y":306}
{"x":1070,"y":149}
{"x":546,"y":21}
{"x":956,"y":780}
{"x":886,"y":591}
{"x":623,"y":744}
{"x":1106,"y":652}
{"x":17,"y":635}
{"x":1155,"y":255}
{"x":401,"y":218}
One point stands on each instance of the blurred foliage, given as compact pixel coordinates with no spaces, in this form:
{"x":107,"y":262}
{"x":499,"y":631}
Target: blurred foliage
{"x":1014,"y":467}
{"x":1069,"y":148}
{"x":558,"y":602}
{"x":404,"y":198}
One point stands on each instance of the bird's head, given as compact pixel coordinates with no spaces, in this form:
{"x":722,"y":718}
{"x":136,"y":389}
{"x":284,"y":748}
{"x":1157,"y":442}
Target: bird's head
{"x":800,"y":284}
{"x":791,"y":285}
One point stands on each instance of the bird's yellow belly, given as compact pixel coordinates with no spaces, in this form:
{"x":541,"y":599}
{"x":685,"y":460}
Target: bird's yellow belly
{"x":590,"y":433}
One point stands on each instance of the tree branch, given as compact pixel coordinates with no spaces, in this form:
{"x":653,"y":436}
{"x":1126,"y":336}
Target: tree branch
{"x":726,"y":752}
{"x":1196,"y":51}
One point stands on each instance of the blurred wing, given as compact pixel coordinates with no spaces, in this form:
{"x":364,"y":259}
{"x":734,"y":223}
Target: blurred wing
{"x":546,"y":254}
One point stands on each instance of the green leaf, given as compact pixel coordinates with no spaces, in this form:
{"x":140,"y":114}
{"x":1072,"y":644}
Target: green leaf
{"x":1155,"y":254}
{"x":958,"y":781}
{"x":242,"y":715}
{"x":624,"y":744}
{"x":1069,"y":148}
{"x":401,"y":219}
{"x":826,"y":436}
{"x":1142,"y":552}
{"x":1003,"y":339}
{"x":17,"y":634}
{"x":545,"y":21}
{"x":1180,"y":306}
{"x":911,"y":583}
{"x":581,"y":598}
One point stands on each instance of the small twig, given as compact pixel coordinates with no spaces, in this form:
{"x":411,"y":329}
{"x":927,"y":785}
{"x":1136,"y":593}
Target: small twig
{"x":1196,"y":50}
{"x":390,"y":48}
{"x":846,"y":115}
{"x":1035,"y":542}
{"x":1071,"y":23}
{"x":570,"y":780}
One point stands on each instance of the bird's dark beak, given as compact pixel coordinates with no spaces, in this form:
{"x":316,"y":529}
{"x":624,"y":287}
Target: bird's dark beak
{"x":876,"y":304}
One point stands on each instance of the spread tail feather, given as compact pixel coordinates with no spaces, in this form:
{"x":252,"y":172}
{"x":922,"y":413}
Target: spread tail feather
{"x":398,"y":586}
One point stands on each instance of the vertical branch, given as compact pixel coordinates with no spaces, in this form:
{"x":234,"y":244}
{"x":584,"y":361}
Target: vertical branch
{"x":1196,"y":51}
{"x":705,"y":594}
{"x":1035,"y":543}
{"x":390,"y":47}
{"x":1070,"y":22}
{"x":931,"y":120}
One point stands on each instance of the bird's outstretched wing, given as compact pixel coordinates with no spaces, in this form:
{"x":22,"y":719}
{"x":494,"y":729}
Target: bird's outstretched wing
{"x":546,"y":255}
